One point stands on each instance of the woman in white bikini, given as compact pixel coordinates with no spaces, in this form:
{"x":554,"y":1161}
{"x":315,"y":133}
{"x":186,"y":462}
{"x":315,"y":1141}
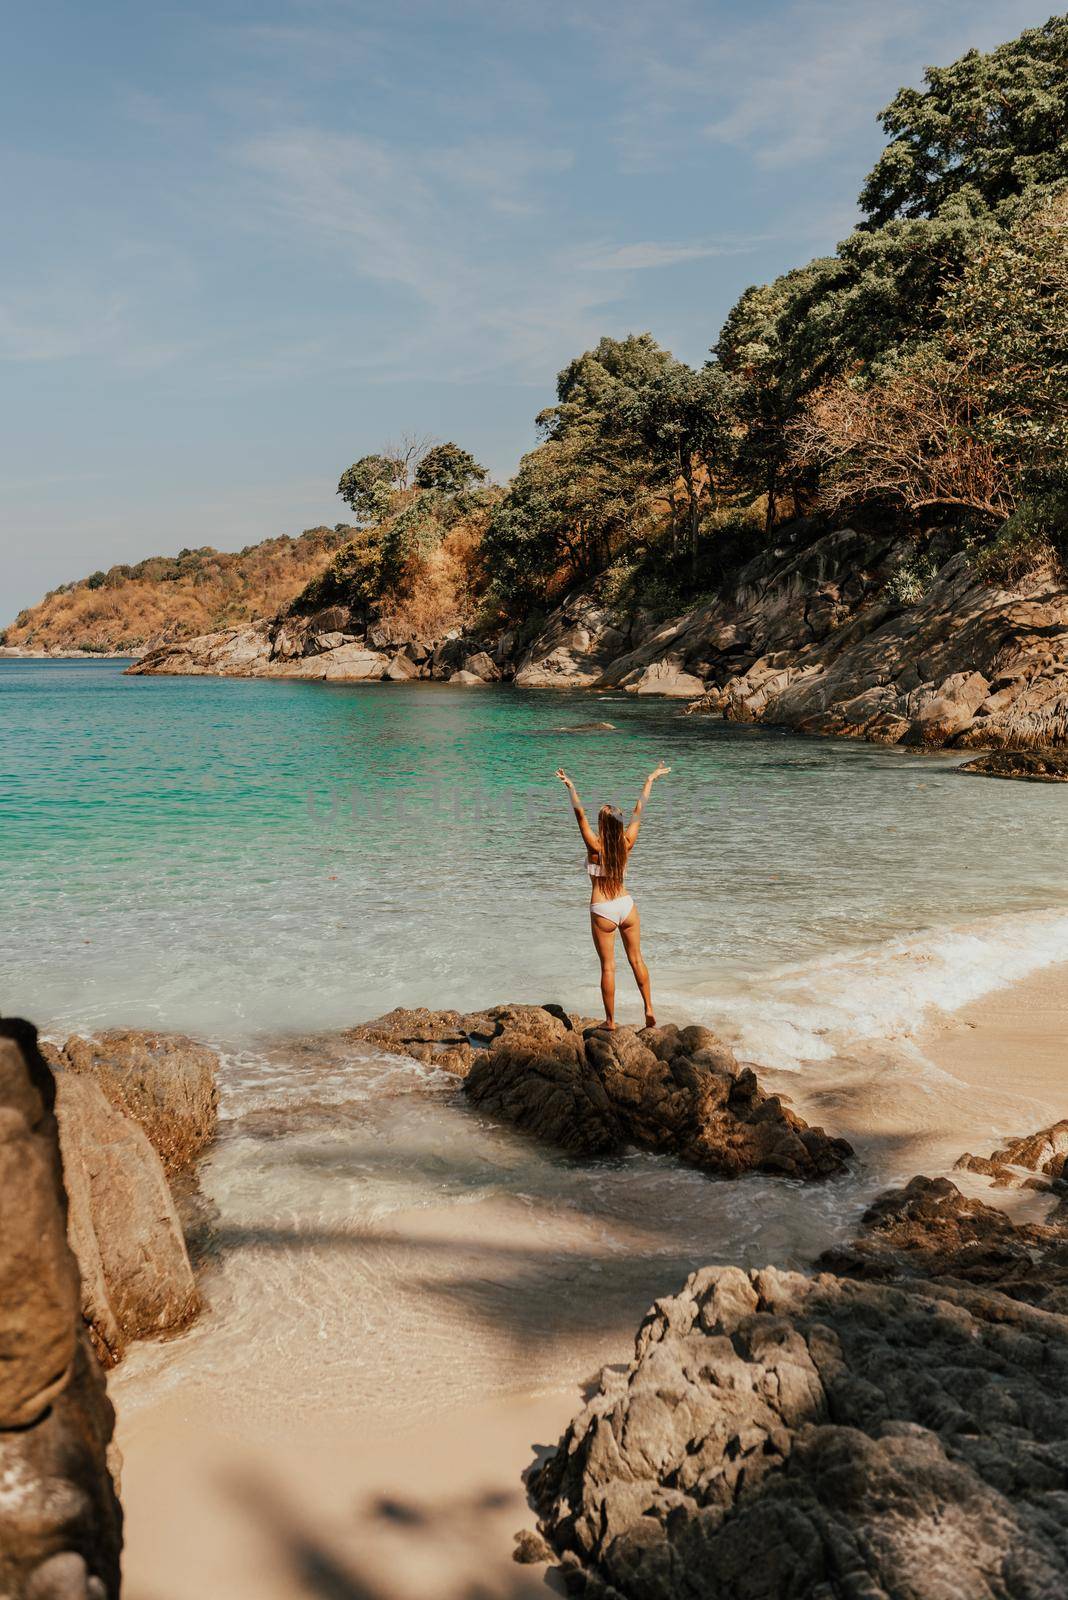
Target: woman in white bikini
{"x":607,"y":852}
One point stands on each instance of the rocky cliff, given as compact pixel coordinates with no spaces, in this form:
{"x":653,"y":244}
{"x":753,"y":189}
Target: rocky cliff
{"x":829,"y":633}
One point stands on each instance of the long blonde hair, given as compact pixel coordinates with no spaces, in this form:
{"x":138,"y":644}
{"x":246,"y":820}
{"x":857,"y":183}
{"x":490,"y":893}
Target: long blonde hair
{"x":612,"y":839}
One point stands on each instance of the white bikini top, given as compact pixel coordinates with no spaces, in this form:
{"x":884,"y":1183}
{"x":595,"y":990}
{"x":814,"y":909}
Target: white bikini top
{"x":594,"y":868}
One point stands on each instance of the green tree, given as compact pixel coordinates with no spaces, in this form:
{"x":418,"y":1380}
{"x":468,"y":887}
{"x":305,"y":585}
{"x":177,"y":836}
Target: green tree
{"x":984,"y":130}
{"x":686,"y":419}
{"x":368,"y":487}
{"x":449,"y":469}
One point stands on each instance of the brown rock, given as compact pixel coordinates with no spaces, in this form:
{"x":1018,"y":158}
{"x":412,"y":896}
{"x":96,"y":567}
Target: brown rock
{"x":60,"y":1522}
{"x":777,"y":1435}
{"x":1032,"y":766}
{"x":165,"y":1081}
{"x":1044,"y":1152}
{"x":136,"y":1277}
{"x":929,"y":1230}
{"x":676,"y":1091}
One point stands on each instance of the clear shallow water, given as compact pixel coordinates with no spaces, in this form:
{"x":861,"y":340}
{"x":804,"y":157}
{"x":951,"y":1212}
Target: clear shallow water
{"x":262,"y":863}
{"x":237,"y":857}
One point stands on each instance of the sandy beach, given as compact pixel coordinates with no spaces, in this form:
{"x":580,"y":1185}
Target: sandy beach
{"x":275,"y":1490}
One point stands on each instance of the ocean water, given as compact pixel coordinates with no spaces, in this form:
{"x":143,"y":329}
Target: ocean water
{"x":263,"y":864}
{"x":239,"y":857}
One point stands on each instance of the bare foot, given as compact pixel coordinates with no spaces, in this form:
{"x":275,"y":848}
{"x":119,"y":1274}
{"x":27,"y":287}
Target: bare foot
{"x":650,"y":1020}
{"x":609,"y":1027}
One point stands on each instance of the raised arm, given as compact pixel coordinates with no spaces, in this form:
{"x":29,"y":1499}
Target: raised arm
{"x":589,"y":838}
{"x":647,"y":788}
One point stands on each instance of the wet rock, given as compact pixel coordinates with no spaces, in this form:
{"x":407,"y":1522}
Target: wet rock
{"x":165,"y":1081}
{"x":781,"y":1435}
{"x":137,"y":1281}
{"x":469,"y":678}
{"x":60,"y":1521}
{"x":1032,"y":766}
{"x":929,"y":1230}
{"x":436,"y":1038}
{"x":450,"y":1039}
{"x":675,"y":1091}
{"x":1043,"y":1153}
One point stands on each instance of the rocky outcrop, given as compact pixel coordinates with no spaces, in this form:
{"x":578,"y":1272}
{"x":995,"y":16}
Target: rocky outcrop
{"x":136,"y":1278}
{"x":1033,"y":766}
{"x":675,"y":1091}
{"x":825,"y":633}
{"x":565,"y":1079}
{"x":966,"y":665}
{"x":814,"y":1437}
{"x":1037,"y":1161}
{"x":165,"y":1081}
{"x":781,"y":1434}
{"x":929,"y":1230}
{"x":450,"y":1039}
{"x":60,"y":1521}
{"x":330,"y":645}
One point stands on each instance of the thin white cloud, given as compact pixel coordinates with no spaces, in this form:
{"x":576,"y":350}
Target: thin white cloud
{"x":649,"y":254}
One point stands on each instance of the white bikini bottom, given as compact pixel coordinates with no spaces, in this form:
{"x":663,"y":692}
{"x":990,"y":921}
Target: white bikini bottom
{"x":613,"y":911}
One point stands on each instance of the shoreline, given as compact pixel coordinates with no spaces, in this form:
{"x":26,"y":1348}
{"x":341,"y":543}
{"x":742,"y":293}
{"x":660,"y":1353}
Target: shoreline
{"x":410,"y":1501}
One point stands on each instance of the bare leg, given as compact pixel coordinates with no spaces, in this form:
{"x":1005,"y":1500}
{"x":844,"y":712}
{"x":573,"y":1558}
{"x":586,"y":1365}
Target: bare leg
{"x":630,"y":931}
{"x":604,"y":937}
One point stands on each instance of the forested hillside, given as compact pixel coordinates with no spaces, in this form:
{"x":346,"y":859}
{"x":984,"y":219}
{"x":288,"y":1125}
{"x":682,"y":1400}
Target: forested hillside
{"x":167,"y":598}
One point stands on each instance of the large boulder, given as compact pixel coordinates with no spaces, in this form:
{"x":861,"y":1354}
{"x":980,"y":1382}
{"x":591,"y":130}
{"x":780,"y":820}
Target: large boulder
{"x":668,"y":677}
{"x":60,"y":1521}
{"x":676,"y":1091}
{"x":136,"y":1277}
{"x":165,"y":1081}
{"x":777,"y":1435}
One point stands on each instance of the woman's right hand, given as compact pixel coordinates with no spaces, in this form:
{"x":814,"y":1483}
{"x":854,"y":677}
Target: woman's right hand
{"x":660,"y":771}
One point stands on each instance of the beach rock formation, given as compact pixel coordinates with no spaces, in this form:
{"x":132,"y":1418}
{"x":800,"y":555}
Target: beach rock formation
{"x":782,"y":1435}
{"x":565,"y":1079}
{"x":136,"y":1278}
{"x":1044,"y":1154}
{"x":60,"y":1521}
{"x":165,"y":1081}
{"x":929,"y":1230}
{"x":1032,"y":766}
{"x":675,"y":1091}
{"x":827,"y":632}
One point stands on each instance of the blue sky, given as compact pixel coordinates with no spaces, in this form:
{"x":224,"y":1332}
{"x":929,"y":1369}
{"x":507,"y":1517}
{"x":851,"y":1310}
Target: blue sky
{"x":246,"y":243}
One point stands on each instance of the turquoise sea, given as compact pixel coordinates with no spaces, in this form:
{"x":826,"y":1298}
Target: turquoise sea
{"x":238,"y":857}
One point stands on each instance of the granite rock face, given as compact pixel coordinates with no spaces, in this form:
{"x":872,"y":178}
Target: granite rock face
{"x":675,"y":1091}
{"x":60,"y":1521}
{"x":136,"y":1278}
{"x":893,"y":1427}
{"x":165,"y":1081}
{"x":821,"y":1439}
{"x":812,"y":635}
